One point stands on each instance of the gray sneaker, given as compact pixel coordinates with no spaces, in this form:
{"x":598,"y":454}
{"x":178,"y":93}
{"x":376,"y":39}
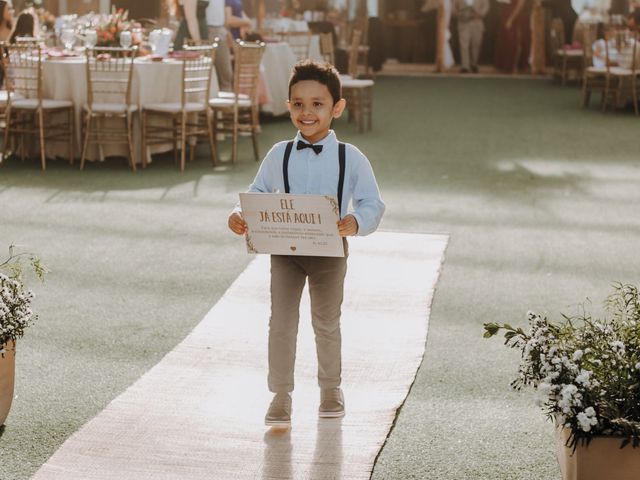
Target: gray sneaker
{"x":331,"y":403}
{"x":279,"y":413}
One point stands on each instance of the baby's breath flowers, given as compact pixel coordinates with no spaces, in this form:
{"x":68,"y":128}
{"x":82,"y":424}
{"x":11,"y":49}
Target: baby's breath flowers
{"x":15,"y":311}
{"x":15,"y":299}
{"x":586,"y":371}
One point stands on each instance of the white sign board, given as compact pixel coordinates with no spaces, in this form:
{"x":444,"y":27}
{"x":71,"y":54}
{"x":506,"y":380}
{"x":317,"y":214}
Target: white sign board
{"x":287,"y":224}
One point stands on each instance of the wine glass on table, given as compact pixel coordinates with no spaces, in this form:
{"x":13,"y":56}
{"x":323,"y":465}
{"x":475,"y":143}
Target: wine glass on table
{"x":90,"y":38}
{"x":125,"y":39}
{"x":68,"y":38}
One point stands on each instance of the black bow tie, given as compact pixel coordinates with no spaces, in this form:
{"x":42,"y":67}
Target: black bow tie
{"x":316,"y":148}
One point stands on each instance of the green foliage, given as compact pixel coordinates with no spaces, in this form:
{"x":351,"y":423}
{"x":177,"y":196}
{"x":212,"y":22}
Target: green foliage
{"x":586,"y":370}
{"x":15,"y":299}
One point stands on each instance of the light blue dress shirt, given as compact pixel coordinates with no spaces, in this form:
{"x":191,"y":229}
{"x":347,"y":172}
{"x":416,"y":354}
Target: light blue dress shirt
{"x":318,"y":174}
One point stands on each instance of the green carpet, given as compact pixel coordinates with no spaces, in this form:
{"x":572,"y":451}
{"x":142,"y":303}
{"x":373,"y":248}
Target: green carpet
{"x":539,"y":196}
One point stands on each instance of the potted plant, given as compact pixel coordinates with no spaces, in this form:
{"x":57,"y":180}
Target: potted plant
{"x":15,"y":316}
{"x":587,"y":374}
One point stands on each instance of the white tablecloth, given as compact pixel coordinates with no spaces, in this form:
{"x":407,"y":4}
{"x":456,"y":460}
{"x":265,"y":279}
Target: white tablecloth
{"x":153,"y":82}
{"x":277,"y":62}
{"x":284,"y":24}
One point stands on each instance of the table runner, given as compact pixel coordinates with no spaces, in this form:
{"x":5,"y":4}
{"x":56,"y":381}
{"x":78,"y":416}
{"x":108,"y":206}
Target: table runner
{"x":198,"y":414}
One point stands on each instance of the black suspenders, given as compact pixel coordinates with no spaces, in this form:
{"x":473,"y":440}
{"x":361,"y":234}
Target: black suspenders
{"x":341,"y":160}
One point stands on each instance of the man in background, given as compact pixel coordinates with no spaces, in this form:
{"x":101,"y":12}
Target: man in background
{"x":470,"y":15}
{"x":215,"y":24}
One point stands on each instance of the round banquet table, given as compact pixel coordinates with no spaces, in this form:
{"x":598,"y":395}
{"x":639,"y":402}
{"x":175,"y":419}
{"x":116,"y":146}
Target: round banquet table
{"x":152,"y":82}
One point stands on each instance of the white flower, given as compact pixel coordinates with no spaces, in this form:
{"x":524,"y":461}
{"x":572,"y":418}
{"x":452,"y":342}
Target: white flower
{"x":587,"y":419}
{"x":583,"y":377}
{"x":638,"y":366}
{"x":577,"y":355}
{"x":619,"y":346}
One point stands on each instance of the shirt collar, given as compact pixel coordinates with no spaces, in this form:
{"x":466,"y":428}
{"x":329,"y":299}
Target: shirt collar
{"x":325,"y":142}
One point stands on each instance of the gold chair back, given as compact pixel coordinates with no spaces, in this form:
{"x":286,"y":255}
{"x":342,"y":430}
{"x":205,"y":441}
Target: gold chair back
{"x":109,"y":74}
{"x":23,"y":69}
{"x":356,"y":39}
{"x":197,"y":66}
{"x":247,"y":69}
{"x":327,"y":49}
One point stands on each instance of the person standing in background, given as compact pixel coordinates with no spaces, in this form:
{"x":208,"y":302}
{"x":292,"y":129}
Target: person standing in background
{"x":6,"y":20}
{"x":25,"y":26}
{"x":6,"y":25}
{"x":215,"y":22}
{"x":470,"y":14}
{"x":235,"y":19}
{"x":514,"y":37}
{"x":193,"y":22}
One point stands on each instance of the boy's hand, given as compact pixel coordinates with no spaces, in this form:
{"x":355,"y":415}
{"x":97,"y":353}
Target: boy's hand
{"x":237,"y":224}
{"x":348,"y":226}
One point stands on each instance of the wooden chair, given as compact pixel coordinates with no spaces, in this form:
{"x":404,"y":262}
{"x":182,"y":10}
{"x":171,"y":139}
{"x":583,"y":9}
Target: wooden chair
{"x":593,"y":78}
{"x":357,"y":92}
{"x":327,"y":49}
{"x":238,"y":111}
{"x":109,"y":74}
{"x":621,"y":83}
{"x":300,"y":43}
{"x":361,"y":23}
{"x":189,"y":118}
{"x":567,"y":61}
{"x":28,"y":113}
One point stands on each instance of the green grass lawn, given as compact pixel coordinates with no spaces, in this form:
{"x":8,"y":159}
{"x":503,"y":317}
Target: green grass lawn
{"x":540,"y":199}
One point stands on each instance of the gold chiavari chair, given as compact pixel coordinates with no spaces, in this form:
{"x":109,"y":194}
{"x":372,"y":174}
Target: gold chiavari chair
{"x":567,"y":62}
{"x":620,"y":83}
{"x":239,"y":111}
{"x":28,"y":113}
{"x":300,"y":43}
{"x":593,"y":77}
{"x":357,"y":92}
{"x":327,"y":48}
{"x":109,"y":75}
{"x":189,"y":118}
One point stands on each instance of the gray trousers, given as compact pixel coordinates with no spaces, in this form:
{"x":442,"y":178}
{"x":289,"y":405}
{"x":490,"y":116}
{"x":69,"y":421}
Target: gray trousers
{"x":223,"y":58}
{"x":326,"y":282}
{"x":470,"y":36}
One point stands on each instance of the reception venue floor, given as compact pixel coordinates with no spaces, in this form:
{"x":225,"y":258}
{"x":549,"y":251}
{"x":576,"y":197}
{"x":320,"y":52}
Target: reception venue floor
{"x":539,"y":199}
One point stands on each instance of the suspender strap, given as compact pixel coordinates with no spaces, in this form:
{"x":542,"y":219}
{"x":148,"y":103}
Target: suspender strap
{"x":341,"y":159}
{"x":285,"y":166}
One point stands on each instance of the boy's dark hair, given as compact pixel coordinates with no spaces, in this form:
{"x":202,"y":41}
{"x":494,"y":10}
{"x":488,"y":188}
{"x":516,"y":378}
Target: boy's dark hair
{"x":325,"y":73}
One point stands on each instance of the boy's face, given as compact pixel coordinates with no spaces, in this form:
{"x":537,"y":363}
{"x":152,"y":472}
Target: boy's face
{"x":312,"y":110}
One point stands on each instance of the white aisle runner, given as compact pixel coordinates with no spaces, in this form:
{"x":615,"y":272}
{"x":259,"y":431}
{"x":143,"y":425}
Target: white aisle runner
{"x":198,"y":414}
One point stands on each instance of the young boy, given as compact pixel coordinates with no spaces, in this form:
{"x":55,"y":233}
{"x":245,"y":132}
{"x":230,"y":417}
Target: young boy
{"x":313,"y":167}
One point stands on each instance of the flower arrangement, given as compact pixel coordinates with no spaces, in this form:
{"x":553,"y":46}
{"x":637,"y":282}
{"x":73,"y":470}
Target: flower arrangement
{"x":109,"y":30}
{"x":110,"y":27}
{"x":15,"y":299}
{"x":586,"y":370}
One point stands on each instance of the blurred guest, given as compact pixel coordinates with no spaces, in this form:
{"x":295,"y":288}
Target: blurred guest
{"x":6,"y":20}
{"x":216,"y":21}
{"x":599,"y":48}
{"x":470,"y":14}
{"x":25,"y":26}
{"x":193,"y":21}
{"x":513,"y":38}
{"x":235,"y":19}
{"x":633,"y":19}
{"x":6,"y":24}
{"x":625,"y":54}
